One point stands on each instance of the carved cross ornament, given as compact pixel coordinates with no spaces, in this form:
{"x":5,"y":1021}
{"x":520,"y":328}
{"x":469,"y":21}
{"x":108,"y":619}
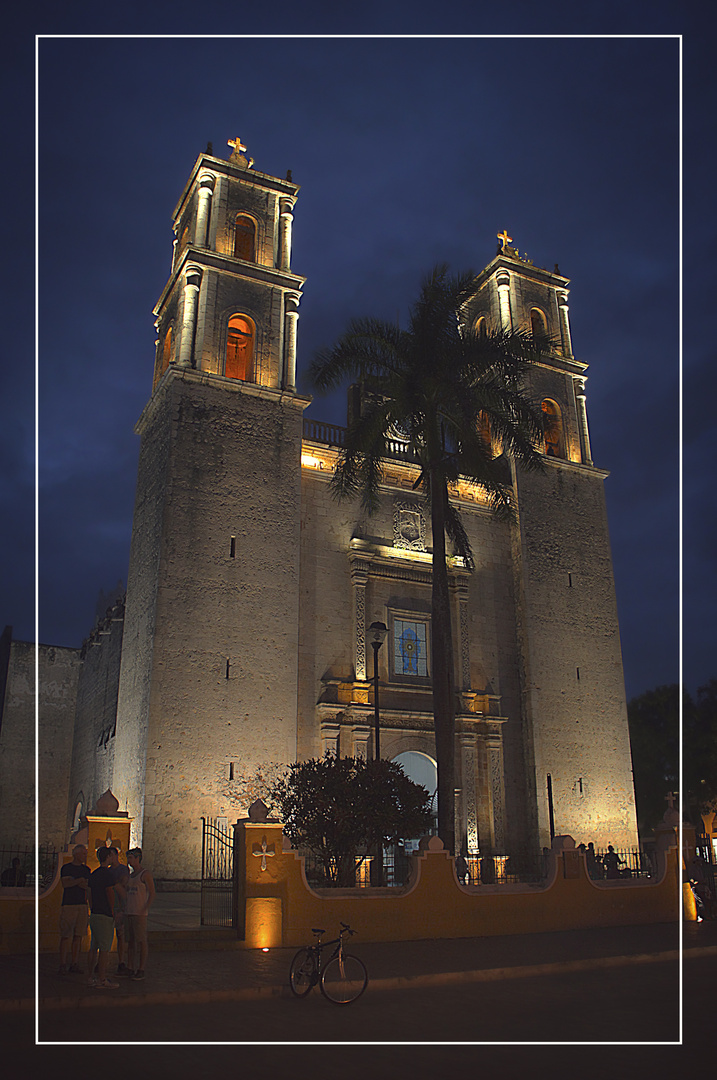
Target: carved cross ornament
{"x":504,"y":238}
{"x":263,"y":852}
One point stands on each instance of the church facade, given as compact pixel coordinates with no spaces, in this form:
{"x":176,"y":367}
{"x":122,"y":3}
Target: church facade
{"x":245,"y":641}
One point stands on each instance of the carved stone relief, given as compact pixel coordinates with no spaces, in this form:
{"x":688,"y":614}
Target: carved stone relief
{"x":409,"y":526}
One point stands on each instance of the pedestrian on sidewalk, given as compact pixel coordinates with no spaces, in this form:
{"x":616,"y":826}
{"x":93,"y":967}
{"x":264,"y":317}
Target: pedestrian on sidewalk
{"x":74,"y":878}
{"x":140,"y":894}
{"x":102,"y":924}
{"x":120,"y":877}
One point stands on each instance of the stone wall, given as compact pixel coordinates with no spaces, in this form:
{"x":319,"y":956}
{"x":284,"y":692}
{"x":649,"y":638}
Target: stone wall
{"x":58,"y":673}
{"x":572,"y":663}
{"x":95,"y":715}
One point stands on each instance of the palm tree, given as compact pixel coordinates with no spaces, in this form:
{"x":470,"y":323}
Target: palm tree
{"x":458,"y":398}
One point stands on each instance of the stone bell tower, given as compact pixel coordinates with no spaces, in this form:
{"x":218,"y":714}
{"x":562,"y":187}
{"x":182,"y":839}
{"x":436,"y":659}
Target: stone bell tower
{"x":574,"y":716}
{"x":208,"y":682}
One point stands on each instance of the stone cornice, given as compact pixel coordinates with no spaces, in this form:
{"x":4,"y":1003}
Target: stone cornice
{"x":221,"y":167}
{"x":518,"y":266}
{"x":206,"y":378}
{"x":407,"y":720}
{"x":225,"y":264}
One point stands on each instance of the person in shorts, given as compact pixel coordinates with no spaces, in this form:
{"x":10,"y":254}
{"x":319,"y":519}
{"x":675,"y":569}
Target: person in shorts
{"x":74,"y":877}
{"x":120,"y":876}
{"x":102,"y":923}
{"x":140,"y":894}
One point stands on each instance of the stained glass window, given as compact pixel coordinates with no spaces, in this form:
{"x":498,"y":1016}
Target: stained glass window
{"x":409,"y":648}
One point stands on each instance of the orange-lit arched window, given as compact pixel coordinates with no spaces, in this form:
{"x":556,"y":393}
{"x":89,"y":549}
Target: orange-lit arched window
{"x":552,"y":429}
{"x":244,"y":238}
{"x":166,"y":352}
{"x":481,"y":327}
{"x":538,"y":323}
{"x":240,"y":348}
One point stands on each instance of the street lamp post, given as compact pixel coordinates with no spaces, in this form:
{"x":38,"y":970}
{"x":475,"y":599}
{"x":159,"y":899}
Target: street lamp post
{"x":378,"y":632}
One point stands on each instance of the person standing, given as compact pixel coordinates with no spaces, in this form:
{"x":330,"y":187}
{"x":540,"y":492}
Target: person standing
{"x":140,"y":894}
{"x":74,"y":877}
{"x":120,"y":877}
{"x":102,"y":923}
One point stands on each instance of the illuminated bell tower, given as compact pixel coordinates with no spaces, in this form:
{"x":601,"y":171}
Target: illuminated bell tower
{"x":208,"y":683}
{"x":576,"y":746}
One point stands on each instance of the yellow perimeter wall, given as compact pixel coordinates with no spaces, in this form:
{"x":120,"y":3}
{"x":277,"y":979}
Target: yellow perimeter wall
{"x":277,"y":907}
{"x":280,"y":908}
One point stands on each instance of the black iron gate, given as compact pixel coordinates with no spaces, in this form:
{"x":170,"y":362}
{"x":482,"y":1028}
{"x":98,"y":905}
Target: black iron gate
{"x":217,"y":906}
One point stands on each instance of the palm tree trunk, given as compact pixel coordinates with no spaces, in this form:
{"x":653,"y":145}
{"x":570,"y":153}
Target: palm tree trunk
{"x":444,"y":719}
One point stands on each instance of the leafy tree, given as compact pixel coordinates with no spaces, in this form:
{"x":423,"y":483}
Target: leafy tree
{"x":459,"y":398}
{"x":340,"y":807}
{"x":654,"y":719}
{"x":699,"y":756}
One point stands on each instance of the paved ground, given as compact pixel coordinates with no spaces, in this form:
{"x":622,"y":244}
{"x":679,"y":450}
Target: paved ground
{"x":189,"y":964}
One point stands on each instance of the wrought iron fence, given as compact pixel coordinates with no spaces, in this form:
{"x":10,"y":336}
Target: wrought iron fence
{"x":23,"y":872}
{"x":624,"y":863}
{"x":395,"y":870}
{"x":487,"y":869}
{"x":217,"y":889}
{"x":522,"y":868}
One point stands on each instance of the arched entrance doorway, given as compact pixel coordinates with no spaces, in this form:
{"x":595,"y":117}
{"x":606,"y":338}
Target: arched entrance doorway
{"x":422,"y":770}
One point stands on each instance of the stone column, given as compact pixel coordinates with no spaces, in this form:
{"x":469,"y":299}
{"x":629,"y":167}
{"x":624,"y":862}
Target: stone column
{"x":204,"y":204}
{"x":330,"y":732}
{"x":503,"y":282}
{"x":291,"y":318}
{"x":359,"y":581}
{"x":465,"y":637}
{"x":579,"y":385}
{"x":192,"y":282}
{"x":362,"y":741}
{"x":285,"y":222}
{"x":495,"y":760}
{"x":468,"y":769}
{"x":565,"y":323}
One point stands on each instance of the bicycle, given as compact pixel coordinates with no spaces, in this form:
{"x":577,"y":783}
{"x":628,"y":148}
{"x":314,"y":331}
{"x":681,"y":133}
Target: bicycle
{"x":342,"y":979}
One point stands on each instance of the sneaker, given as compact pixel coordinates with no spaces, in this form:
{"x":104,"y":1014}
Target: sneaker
{"x":123,"y":972}
{"x":75,"y":969}
{"x":138,"y":975}
{"x":92,"y":981}
{"x":106,"y":984}
{"x":62,"y":970}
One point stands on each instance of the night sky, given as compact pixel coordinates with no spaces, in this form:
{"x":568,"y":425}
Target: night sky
{"x":409,"y":152}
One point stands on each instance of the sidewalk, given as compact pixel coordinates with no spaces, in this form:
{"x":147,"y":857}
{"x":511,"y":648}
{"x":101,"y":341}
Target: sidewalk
{"x":189,"y":963}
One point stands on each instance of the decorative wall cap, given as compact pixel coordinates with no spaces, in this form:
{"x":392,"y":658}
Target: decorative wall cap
{"x":107,"y":805}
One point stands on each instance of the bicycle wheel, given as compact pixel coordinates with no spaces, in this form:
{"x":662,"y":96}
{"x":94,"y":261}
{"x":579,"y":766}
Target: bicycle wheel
{"x":344,"y":979}
{"x":302,"y":973}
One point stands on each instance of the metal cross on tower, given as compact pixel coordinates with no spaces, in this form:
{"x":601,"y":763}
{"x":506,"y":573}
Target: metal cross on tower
{"x":236,"y":144}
